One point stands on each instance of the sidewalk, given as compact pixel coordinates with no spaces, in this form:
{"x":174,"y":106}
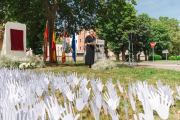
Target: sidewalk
{"x":173,"y":65}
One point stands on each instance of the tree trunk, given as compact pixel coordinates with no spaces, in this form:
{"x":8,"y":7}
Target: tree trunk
{"x":135,"y":56}
{"x":106,"y":54}
{"x":123,"y":53}
{"x":145,"y":53}
{"x":145,"y":57}
{"x":50,"y":32}
{"x":50,"y":10}
{"x":117,"y":56}
{"x":106,"y":49}
{"x":148,"y":54}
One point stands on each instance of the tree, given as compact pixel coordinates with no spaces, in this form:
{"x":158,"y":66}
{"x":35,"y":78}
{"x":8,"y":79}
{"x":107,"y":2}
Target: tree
{"x":160,"y":35}
{"x":31,"y":14}
{"x":59,"y":41}
{"x":81,"y":13}
{"x":174,"y":32}
{"x":115,"y":19}
{"x":73,"y":12}
{"x":2,"y":14}
{"x":143,"y":32}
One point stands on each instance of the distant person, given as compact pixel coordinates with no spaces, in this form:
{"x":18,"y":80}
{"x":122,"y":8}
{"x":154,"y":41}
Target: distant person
{"x":89,"y":60}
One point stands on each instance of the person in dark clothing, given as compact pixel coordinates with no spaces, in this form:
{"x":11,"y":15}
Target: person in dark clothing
{"x":89,"y":60}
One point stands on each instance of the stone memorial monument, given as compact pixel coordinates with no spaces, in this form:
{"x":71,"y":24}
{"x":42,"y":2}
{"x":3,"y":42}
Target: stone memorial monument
{"x":99,"y":50}
{"x":14,"y":42}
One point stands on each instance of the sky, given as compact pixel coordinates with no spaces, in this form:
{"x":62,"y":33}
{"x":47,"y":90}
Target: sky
{"x":157,"y":8}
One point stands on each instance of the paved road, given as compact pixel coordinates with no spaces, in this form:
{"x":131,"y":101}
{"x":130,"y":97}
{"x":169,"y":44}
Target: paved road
{"x":161,"y":64}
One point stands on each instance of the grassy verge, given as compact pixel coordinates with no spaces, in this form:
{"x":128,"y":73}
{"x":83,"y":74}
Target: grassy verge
{"x":124,"y":74}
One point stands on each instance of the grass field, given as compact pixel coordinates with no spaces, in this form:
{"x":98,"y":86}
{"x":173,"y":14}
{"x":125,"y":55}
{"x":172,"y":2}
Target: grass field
{"x":124,"y":74}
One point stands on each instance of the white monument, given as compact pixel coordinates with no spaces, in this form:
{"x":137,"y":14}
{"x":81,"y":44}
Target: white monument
{"x":99,"y":50}
{"x":14,"y":42}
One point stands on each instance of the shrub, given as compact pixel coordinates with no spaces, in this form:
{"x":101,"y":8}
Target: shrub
{"x":156,"y":57}
{"x":36,"y":61}
{"x":172,"y":58}
{"x":150,"y":57}
{"x":178,"y":58}
{"x":26,"y":62}
{"x":8,"y":61}
{"x":104,"y":65}
{"x":163,"y":57}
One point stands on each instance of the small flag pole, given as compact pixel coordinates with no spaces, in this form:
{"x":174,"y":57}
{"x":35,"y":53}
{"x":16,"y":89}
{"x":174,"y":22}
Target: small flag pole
{"x":55,"y":45}
{"x":71,"y":48}
{"x":63,"y":41}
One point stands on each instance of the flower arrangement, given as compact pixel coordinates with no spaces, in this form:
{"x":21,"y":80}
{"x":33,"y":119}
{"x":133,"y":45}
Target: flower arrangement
{"x":104,"y":65}
{"x":28,"y":62}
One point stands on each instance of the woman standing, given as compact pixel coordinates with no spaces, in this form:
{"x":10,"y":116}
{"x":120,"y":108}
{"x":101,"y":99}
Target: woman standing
{"x":89,"y":60}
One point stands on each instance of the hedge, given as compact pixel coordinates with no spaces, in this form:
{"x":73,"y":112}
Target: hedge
{"x":156,"y":57}
{"x":178,"y":58}
{"x":172,"y":58}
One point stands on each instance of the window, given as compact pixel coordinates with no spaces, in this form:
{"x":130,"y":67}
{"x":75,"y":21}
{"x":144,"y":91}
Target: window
{"x":80,"y":48}
{"x":80,"y":40}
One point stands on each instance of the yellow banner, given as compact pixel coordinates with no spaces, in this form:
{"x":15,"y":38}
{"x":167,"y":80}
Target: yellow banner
{"x":63,"y":54}
{"x":54,"y":56}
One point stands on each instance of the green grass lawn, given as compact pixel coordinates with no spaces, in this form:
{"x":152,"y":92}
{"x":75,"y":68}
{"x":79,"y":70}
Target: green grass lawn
{"x":124,"y":74}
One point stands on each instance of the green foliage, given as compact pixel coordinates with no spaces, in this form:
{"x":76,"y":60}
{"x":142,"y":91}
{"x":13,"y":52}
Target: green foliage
{"x":163,"y":57}
{"x":172,"y":58}
{"x":156,"y":57}
{"x":35,"y":13}
{"x":59,"y":41}
{"x":104,"y":65}
{"x":143,"y":33}
{"x":160,"y":35}
{"x":174,"y":32}
{"x":2,"y":28}
{"x":150,"y":58}
{"x":127,"y":57}
{"x":114,"y":21}
{"x":29,"y":13}
{"x":178,"y":58}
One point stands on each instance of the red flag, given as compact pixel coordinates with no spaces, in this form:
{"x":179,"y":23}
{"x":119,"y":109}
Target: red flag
{"x":53,"y":48}
{"x":45,"y":44}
